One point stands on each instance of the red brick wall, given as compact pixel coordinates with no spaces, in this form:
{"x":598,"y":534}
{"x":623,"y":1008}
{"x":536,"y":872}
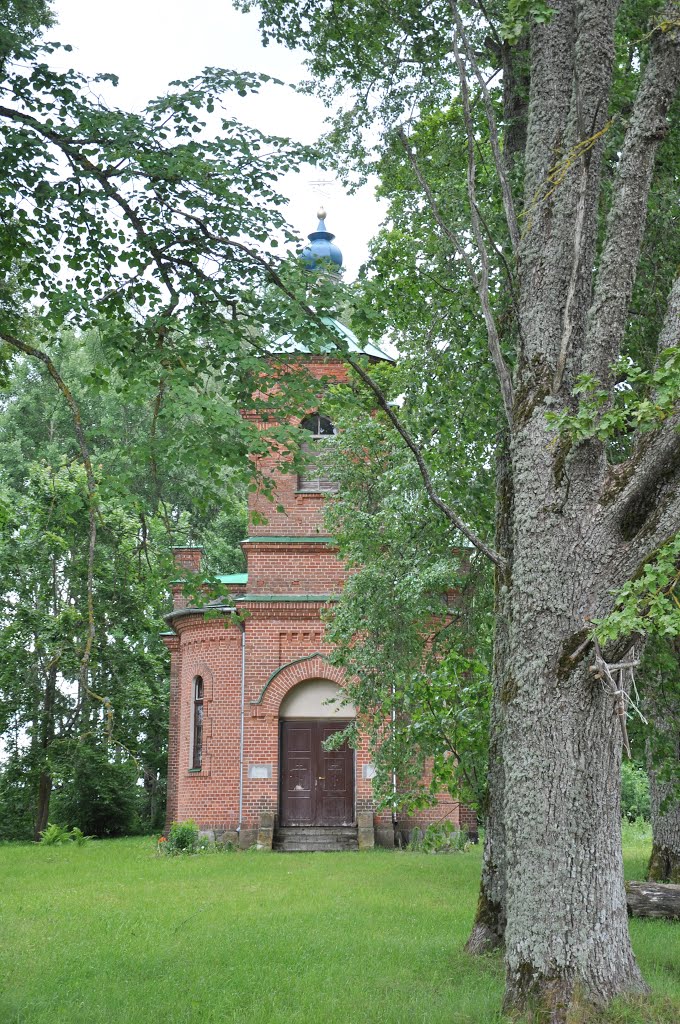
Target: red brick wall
{"x":188,"y":559}
{"x":303,"y":515}
{"x":445,"y":808}
{"x":293,"y":568}
{"x":173,"y":645}
{"x":275,"y":635}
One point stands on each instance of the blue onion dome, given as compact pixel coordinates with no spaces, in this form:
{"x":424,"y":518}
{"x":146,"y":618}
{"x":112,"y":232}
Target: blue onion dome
{"x":322,"y":247}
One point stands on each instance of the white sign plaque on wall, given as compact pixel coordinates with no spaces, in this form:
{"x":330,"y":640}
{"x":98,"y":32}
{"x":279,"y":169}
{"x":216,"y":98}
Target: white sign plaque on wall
{"x":369,"y":771}
{"x":259,"y":771}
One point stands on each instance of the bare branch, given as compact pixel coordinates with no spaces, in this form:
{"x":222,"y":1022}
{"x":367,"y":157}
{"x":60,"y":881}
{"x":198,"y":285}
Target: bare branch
{"x":483,"y":278}
{"x":508,"y":204}
{"x":445,"y":228}
{"x":568,"y":319}
{"x":492,"y":555}
{"x":506,"y":266}
{"x":616,"y":687}
{"x":455,"y":239}
{"x":628,"y":214}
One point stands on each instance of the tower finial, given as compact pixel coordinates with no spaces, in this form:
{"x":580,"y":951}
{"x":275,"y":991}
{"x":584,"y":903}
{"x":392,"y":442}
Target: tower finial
{"x":322,"y":247}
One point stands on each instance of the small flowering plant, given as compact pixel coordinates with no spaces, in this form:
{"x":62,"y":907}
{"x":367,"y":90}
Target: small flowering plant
{"x":183,"y":837}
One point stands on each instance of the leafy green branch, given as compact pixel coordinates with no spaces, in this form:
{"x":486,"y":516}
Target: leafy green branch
{"x":642,"y":401}
{"x":521,"y":15}
{"x":649,"y":603}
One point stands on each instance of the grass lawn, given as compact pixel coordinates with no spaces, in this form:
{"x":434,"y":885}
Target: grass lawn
{"x":109,"y":933}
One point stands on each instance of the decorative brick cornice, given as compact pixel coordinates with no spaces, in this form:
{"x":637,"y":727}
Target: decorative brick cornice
{"x":286,"y":598}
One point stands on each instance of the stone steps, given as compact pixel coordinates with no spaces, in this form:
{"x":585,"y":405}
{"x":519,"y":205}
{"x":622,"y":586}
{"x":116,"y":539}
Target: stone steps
{"x":315,"y":839}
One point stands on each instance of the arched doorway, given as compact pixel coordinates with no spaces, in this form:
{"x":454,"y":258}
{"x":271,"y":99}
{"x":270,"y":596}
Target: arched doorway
{"x":317,"y":785}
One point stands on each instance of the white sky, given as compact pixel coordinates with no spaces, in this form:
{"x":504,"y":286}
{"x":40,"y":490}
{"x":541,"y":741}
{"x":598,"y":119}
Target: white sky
{"x":148,"y":43}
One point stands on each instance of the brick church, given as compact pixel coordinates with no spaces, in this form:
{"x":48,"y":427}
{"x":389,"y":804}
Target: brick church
{"x":254,"y":697}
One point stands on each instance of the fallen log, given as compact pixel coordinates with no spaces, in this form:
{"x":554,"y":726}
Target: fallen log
{"x":649,"y":899}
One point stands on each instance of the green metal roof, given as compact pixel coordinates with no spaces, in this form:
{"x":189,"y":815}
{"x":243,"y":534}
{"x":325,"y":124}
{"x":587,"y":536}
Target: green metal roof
{"x":288,"y":343}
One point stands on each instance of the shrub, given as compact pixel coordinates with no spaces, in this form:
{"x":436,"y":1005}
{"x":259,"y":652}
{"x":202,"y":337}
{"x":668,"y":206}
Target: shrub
{"x":182,"y":838}
{"x":79,"y":838}
{"x":55,"y":835}
{"x":440,"y":837}
{"x":97,"y":795}
{"x":634,"y":792}
{"x":18,"y":786}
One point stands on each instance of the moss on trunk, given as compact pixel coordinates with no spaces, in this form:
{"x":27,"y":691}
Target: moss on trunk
{"x":664,"y":865}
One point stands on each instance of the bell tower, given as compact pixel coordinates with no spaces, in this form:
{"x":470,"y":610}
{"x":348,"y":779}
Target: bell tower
{"x":288,"y":549}
{"x":254,"y":693}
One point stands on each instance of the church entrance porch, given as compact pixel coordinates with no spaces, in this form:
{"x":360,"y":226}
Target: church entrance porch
{"x":317,"y":785}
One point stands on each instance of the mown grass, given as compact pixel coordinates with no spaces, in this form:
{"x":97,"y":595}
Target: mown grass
{"x":111,"y":933}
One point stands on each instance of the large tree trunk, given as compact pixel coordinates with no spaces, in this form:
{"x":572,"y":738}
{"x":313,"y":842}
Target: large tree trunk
{"x":664,"y":863}
{"x":43,"y":805}
{"x":488,"y":930}
{"x":662,"y":707}
{"x":562,"y":827}
{"x":46,"y":738}
{"x":576,"y":537}
{"x":567,"y":921}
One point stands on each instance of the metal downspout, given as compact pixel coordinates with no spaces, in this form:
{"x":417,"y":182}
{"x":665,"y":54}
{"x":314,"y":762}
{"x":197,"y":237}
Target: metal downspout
{"x":394,"y":772}
{"x":243,"y":715}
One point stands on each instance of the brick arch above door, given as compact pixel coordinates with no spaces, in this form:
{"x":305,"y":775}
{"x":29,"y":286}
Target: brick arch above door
{"x":280,"y":682}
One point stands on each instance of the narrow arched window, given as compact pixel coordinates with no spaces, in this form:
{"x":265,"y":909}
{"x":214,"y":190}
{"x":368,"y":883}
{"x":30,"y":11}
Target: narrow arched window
{"x":197,"y":724}
{"x":313,"y":477}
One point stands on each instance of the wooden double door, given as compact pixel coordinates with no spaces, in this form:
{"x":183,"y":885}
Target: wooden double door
{"x":317,"y":785}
